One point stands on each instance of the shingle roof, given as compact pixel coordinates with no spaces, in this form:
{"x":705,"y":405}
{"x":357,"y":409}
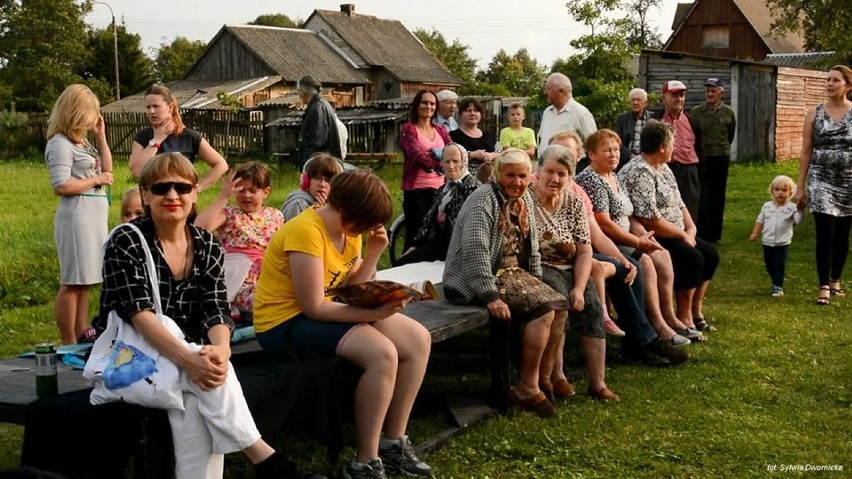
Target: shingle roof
{"x":294,"y":52}
{"x":758,"y":14}
{"x":195,"y":93}
{"x":387,"y":43}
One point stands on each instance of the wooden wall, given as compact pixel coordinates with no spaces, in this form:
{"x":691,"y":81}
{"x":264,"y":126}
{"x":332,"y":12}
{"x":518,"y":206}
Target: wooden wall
{"x":744,"y":42}
{"x":753,"y":100}
{"x":798,"y":91}
{"x":228,"y":58}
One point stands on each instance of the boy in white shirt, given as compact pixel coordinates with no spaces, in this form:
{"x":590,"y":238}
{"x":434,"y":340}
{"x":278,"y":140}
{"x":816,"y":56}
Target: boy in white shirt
{"x":776,"y":220}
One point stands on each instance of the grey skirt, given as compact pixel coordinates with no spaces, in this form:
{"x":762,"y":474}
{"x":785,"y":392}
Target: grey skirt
{"x":589,"y":321}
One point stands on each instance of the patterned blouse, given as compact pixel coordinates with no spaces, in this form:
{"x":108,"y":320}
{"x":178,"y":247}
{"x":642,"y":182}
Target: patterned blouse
{"x":561,"y":230}
{"x":196,"y":303}
{"x":653,"y":192}
{"x":604,"y":200}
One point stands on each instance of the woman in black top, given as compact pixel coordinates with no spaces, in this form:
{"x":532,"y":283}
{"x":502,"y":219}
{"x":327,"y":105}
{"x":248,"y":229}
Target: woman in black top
{"x":168,"y":134}
{"x":481,"y":145}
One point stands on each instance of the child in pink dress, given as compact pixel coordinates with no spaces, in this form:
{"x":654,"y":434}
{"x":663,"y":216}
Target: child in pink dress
{"x":244,"y":228}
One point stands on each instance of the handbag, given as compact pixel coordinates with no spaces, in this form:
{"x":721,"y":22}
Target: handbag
{"x":124,"y":367}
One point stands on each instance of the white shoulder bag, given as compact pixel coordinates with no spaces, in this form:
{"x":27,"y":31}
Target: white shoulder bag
{"x":123,"y":366}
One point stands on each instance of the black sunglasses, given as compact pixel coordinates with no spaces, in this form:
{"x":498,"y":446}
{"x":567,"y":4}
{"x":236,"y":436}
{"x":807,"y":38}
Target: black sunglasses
{"x":161,"y":189}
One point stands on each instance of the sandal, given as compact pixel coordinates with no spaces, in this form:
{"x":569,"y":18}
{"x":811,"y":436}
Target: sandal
{"x":702,"y":325}
{"x":823,"y":300}
{"x":88,"y":335}
{"x":838,"y":291}
{"x":537,"y":403}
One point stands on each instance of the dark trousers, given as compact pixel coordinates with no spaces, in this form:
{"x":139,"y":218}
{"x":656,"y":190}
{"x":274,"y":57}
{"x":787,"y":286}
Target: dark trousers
{"x":713,"y":173}
{"x":689,"y":186}
{"x":832,"y":245}
{"x":775,"y":258}
{"x":629,"y":303}
{"x":692,"y":264}
{"x":434,"y":250}
{"x":415,"y":205}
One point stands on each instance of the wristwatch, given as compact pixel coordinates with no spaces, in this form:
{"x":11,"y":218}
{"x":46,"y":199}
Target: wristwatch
{"x":154,"y":144}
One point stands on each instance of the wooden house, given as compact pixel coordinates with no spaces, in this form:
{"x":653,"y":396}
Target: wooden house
{"x":729,"y":29}
{"x":770,"y":100}
{"x":397,"y":63}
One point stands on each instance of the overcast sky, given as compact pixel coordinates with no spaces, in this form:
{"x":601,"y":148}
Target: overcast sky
{"x":542,"y":26}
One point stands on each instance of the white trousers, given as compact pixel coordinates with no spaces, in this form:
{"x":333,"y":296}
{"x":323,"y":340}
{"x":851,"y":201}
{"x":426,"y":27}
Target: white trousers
{"x":214,"y":423}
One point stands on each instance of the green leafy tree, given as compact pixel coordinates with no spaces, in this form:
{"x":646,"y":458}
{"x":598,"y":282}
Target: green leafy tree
{"x":520,"y":74}
{"x":454,"y":56}
{"x":276,"y":20}
{"x":43,"y":44}
{"x":640,"y":34}
{"x":175,"y":59}
{"x":135,"y":68}
{"x":825,"y":23}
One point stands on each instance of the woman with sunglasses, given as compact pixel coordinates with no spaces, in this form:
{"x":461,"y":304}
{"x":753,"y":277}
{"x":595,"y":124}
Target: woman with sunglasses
{"x":192,"y":287}
{"x":79,"y":172}
{"x":167,"y":133}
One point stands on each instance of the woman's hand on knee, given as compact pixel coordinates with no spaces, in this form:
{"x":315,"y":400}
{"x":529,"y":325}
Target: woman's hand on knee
{"x":576,"y":299}
{"x":499,"y":310}
{"x":204,"y":372}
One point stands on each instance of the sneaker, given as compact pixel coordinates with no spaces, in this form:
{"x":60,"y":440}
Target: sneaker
{"x":611,"y":328}
{"x":646,"y":357}
{"x":777,"y":292}
{"x":678,"y":341}
{"x":400,"y":457}
{"x":370,"y":470}
{"x":666,"y":350}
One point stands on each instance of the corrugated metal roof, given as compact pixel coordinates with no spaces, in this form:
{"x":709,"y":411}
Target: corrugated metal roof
{"x":809,"y":60}
{"x":387,"y":43}
{"x":292,"y":53}
{"x":349,"y":116}
{"x":195,"y":93}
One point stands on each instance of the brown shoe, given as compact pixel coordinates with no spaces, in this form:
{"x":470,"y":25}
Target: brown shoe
{"x":563,"y":389}
{"x":603,"y":394}
{"x":537,"y":403}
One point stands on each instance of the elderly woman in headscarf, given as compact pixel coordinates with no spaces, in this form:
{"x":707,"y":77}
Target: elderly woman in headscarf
{"x":494,"y":259}
{"x":433,"y":238}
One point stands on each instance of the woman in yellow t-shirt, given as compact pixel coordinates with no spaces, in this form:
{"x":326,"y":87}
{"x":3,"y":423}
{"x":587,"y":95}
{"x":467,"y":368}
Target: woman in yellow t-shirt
{"x":315,"y":252}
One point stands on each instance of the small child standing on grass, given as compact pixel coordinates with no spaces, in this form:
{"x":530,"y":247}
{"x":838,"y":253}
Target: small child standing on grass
{"x":516,"y":135}
{"x":776,"y":220}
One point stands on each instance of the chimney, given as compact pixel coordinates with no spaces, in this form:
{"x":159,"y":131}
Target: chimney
{"x":348,"y":8}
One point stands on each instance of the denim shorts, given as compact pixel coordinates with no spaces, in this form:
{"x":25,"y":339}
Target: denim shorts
{"x":320,"y":336}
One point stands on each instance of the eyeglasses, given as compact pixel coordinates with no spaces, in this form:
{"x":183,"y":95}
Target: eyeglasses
{"x":162,"y":189}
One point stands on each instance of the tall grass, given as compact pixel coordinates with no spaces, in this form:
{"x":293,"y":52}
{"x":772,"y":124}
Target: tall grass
{"x":771,"y":387}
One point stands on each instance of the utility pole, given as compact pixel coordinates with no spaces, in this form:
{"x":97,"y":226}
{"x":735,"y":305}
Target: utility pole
{"x":115,"y":50}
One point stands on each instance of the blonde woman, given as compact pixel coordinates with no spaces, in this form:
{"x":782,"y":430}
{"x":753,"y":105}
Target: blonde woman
{"x":79,"y":173}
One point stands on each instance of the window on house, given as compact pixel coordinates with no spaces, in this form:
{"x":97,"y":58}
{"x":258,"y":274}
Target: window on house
{"x":715,"y":37}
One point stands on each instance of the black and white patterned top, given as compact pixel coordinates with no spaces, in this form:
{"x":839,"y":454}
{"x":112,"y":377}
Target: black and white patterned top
{"x":561,"y":230}
{"x":653,"y":192}
{"x":830,"y":169}
{"x":616,"y":204}
{"x":196,"y":303}
{"x":432,"y":226}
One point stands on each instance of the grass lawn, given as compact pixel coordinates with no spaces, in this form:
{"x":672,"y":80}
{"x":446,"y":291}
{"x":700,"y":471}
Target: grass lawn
{"x":771,"y":387}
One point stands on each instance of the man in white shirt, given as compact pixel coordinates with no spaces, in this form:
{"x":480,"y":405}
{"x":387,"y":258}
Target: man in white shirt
{"x":564,"y":113}
{"x":448,"y":102}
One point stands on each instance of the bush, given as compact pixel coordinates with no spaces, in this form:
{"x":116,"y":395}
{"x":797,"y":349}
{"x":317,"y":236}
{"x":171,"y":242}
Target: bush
{"x":11,"y":124}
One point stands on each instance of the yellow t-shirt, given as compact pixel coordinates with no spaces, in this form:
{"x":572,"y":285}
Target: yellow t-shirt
{"x":522,"y":139}
{"x":275,"y":300}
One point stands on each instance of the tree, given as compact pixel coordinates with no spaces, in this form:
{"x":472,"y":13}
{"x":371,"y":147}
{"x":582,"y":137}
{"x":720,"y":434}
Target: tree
{"x":276,"y":20}
{"x":135,"y":68}
{"x":825,"y":23}
{"x":519,"y":74}
{"x":454,"y":56}
{"x":641,"y":35}
{"x":175,"y":59}
{"x":43,"y":43}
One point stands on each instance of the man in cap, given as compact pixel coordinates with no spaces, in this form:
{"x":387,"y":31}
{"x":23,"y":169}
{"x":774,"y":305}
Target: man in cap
{"x":687,"y":144}
{"x":718,"y":127}
{"x":564,"y":113}
{"x":448,"y":102}
{"x":319,"y":123}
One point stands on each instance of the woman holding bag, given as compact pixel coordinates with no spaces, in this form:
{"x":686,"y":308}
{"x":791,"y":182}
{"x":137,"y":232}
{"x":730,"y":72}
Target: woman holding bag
{"x":188,"y":262}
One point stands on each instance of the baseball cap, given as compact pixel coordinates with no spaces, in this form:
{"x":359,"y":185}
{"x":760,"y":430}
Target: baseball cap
{"x":673,"y":86}
{"x":444,"y":95}
{"x":714,"y":82}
